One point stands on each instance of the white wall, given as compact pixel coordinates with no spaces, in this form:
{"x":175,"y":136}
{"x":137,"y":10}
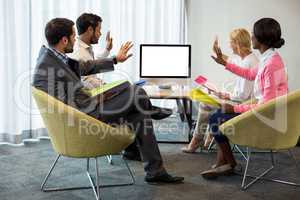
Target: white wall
{"x":206,"y":18}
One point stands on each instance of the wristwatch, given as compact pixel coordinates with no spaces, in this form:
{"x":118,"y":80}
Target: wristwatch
{"x":115,"y":60}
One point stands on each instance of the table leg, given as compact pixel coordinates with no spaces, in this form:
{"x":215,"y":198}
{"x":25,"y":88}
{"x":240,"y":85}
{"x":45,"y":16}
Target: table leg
{"x":187,"y":110}
{"x":180,"y":108}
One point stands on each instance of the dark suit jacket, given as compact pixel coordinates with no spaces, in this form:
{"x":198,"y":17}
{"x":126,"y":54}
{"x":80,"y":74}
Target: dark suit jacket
{"x":63,"y":81}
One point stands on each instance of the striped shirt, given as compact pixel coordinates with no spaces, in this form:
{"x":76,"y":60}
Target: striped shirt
{"x":59,"y":55}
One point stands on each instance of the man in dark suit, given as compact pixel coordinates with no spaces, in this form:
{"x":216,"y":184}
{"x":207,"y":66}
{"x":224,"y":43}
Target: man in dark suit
{"x":60,"y":77}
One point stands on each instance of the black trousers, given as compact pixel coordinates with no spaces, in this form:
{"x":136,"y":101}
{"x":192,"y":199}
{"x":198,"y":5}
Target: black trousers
{"x":133,"y":107}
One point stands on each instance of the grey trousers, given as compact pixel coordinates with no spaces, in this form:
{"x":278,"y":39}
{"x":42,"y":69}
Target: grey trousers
{"x":133,"y":107}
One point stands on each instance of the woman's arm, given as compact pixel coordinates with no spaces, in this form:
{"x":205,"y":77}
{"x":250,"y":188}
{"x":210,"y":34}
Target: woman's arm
{"x":247,"y":73}
{"x":244,"y":107}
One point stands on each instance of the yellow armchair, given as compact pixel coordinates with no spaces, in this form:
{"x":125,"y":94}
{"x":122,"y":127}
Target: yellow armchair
{"x":272,"y":126}
{"x":77,"y":135}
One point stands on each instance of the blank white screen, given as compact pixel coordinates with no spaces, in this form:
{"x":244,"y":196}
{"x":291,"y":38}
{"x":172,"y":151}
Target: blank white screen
{"x":165,"y":61}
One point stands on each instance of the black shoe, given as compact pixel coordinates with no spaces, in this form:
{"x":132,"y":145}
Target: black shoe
{"x":160,"y":113}
{"x":164,"y":178}
{"x":135,"y":156}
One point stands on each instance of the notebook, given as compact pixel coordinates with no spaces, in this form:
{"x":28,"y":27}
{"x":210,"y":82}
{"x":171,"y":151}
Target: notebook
{"x":109,"y":90}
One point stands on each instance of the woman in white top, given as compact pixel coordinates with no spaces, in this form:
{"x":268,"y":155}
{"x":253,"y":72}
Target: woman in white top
{"x":240,"y":42}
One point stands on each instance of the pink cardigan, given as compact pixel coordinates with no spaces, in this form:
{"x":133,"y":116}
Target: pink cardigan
{"x":272,"y":80}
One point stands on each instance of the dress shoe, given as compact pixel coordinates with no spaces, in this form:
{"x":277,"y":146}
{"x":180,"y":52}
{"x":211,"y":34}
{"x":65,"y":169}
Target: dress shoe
{"x":135,"y":156}
{"x":160,"y":113}
{"x":163,"y":178}
{"x":218,"y":171}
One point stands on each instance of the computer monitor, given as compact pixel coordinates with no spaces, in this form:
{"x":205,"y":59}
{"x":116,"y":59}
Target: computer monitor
{"x":165,"y":61}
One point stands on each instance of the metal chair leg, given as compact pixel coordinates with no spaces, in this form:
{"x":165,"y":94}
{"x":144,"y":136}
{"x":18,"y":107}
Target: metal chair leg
{"x":212,"y":142}
{"x":240,"y":151}
{"x":95,"y":186}
{"x":122,"y":184}
{"x":49,"y":173}
{"x":256,"y":178}
{"x":245,"y":186}
{"x":130,"y":172}
{"x":109,"y":159}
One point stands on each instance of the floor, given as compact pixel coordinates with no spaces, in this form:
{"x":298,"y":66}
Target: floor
{"x":23,"y":168}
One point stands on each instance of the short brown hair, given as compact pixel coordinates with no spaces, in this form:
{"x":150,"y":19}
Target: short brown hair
{"x":58,"y":28}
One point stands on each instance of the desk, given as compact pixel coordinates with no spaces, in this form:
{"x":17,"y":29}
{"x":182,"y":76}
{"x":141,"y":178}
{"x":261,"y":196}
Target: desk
{"x":184,"y":103}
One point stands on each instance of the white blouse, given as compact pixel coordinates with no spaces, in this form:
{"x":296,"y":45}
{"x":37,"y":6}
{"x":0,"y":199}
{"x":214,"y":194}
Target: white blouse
{"x":243,"y":88}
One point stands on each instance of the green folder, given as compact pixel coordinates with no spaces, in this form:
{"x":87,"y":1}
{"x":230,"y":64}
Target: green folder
{"x":198,"y":95}
{"x":103,"y":88}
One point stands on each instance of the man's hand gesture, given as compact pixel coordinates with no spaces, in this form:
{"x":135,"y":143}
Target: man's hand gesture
{"x":109,"y":41}
{"x":123,"y":55}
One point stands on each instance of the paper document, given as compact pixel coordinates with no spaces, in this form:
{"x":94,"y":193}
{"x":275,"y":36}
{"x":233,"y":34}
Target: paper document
{"x":200,"y":96}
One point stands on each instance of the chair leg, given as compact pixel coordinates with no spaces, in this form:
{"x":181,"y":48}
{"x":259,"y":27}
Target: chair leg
{"x":256,"y":178}
{"x":95,"y":186}
{"x":109,"y":159}
{"x":239,"y":150}
{"x":245,"y":186}
{"x":55,"y":189}
{"x":49,"y":173}
{"x":130,"y":172}
{"x":212,"y":142}
{"x":122,"y":184}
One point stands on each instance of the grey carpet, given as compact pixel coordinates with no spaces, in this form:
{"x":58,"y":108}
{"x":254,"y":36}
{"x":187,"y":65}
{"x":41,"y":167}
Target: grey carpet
{"x":23,"y":168}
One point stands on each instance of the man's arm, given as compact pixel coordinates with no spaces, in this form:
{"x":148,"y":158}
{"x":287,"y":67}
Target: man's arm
{"x":96,"y":66}
{"x":105,"y":64}
{"x":109,"y":45}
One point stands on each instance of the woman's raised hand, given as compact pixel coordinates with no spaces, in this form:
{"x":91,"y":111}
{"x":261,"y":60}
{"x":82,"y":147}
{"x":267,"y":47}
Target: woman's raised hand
{"x":219,"y":58}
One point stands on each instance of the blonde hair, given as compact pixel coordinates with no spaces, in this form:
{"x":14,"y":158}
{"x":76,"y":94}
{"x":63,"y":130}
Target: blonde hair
{"x":242,"y":38}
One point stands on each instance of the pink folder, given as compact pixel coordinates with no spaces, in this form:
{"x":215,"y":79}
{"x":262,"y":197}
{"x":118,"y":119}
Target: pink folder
{"x":201,"y":80}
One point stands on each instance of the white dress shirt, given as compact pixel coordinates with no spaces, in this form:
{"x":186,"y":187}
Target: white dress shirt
{"x":243,"y":88}
{"x":84,"y":52}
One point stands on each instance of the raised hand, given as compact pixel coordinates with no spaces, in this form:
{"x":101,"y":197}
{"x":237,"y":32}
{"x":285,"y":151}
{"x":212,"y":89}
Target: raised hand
{"x":216,"y":45}
{"x":123,"y":55}
{"x":219,"y":59}
{"x":109,"y":41}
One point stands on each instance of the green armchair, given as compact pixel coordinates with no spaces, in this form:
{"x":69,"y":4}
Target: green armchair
{"x":77,"y":135}
{"x":273,"y":126}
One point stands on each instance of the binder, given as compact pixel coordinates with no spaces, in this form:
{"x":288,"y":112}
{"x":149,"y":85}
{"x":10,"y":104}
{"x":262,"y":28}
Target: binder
{"x":199,"y":95}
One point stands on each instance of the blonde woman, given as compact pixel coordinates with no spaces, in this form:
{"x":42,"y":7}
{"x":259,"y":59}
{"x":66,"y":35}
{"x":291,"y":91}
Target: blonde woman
{"x":240,"y":43}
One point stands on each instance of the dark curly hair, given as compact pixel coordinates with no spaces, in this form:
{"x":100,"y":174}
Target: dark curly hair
{"x":268,"y":32}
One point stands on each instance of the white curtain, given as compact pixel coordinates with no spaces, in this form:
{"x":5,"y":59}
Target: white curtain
{"x":23,"y":22}
{"x":14,"y":64}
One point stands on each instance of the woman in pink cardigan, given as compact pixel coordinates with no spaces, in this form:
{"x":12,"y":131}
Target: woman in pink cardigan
{"x":270,"y":81}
